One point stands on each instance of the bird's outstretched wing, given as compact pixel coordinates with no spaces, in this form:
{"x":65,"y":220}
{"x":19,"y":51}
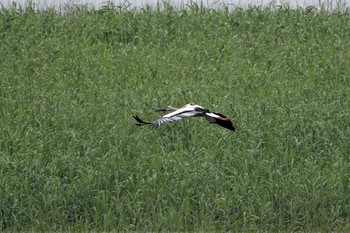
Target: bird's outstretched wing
{"x":179,"y":114}
{"x":164,"y":119}
{"x":177,"y":117}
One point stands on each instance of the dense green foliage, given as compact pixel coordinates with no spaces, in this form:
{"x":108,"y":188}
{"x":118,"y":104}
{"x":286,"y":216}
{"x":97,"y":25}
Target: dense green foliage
{"x":72,"y":159}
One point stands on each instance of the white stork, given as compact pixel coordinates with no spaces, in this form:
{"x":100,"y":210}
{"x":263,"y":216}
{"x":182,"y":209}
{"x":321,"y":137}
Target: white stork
{"x":189,"y":110}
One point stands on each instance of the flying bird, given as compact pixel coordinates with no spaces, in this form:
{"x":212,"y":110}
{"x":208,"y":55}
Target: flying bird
{"x":189,"y":110}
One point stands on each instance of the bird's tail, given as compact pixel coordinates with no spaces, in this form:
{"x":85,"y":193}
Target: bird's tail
{"x":140,"y":122}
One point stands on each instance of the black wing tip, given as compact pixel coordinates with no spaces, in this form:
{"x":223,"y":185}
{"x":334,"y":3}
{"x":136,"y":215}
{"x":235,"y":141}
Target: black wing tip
{"x":227,"y":124}
{"x":230,"y":127}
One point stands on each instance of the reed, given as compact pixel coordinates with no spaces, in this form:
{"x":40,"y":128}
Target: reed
{"x":72,"y":159}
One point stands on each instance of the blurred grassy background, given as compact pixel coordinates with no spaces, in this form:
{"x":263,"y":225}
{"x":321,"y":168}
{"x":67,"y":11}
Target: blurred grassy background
{"x":72,"y":159}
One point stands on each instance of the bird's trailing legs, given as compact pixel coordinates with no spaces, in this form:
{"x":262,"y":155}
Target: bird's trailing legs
{"x":141,"y":122}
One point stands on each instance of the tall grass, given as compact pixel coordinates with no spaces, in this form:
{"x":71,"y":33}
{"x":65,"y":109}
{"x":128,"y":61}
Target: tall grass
{"x":72,"y":159}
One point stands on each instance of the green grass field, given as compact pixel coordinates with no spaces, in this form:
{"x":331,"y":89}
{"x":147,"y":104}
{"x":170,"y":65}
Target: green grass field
{"x":71,"y":157}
